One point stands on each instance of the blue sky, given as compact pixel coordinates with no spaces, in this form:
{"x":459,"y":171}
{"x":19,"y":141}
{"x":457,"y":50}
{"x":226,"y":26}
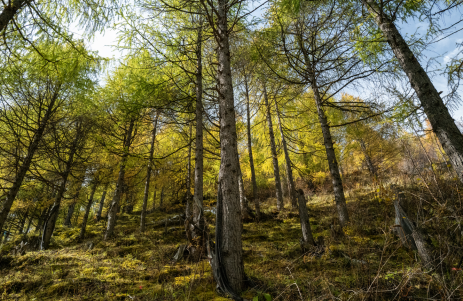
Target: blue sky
{"x":441,"y":51}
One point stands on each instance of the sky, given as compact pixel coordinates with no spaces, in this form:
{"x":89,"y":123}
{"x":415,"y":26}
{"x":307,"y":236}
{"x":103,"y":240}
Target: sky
{"x":441,"y":52}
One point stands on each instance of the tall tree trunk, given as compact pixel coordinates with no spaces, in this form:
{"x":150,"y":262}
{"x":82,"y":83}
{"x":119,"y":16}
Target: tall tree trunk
{"x":332,"y":161}
{"x":67,"y":220}
{"x":100,"y":208}
{"x":307,"y":237}
{"x":53,"y":216}
{"x":289,"y":171}
{"x":251,"y":159}
{"x":371,"y":166}
{"x":87,"y":211}
{"x":188,"y":207}
{"x":154,"y":200}
{"x":148,"y":175}
{"x":23,"y":222}
{"x":13,"y":191}
{"x":276,"y":168}
{"x":231,"y":246}
{"x":162,"y":196}
{"x":438,"y":115}
{"x":113,"y":209}
{"x":10,"y":11}
{"x":243,"y":202}
{"x":71,"y":208}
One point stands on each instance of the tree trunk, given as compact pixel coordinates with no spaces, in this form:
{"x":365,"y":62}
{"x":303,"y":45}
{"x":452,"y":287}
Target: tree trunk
{"x":188,"y":207}
{"x":332,"y":161}
{"x":231,"y":246}
{"x":276,"y":168}
{"x":112,"y":212}
{"x":148,"y":176}
{"x":100,"y":208}
{"x":87,"y":211}
{"x":13,"y":191}
{"x":42,"y":218}
{"x":162,"y":196}
{"x":251,"y":159}
{"x":67,"y":221}
{"x":154,"y":200}
{"x":53,"y":216}
{"x":289,"y":171}
{"x":243,"y":202}
{"x":10,"y":11}
{"x":307,"y":237}
{"x":371,"y":166}
{"x":443,"y":125}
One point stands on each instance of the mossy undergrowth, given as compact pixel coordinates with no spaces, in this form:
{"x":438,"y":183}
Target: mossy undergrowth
{"x":135,"y":266}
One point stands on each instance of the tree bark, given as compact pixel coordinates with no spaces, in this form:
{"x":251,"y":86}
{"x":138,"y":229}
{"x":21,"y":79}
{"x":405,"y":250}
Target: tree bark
{"x":67,"y":221}
{"x":276,"y":168}
{"x":443,"y":125}
{"x":9,"y":12}
{"x":53,"y":216}
{"x":231,"y":245}
{"x":289,"y":171}
{"x":87,"y":211}
{"x":188,"y":207}
{"x":162,"y":196}
{"x":307,"y":237}
{"x":113,"y":209}
{"x":371,"y":166}
{"x":13,"y":191}
{"x":154,"y":200}
{"x":148,"y":176}
{"x":100,"y":208}
{"x":251,"y":159}
{"x":332,"y":161}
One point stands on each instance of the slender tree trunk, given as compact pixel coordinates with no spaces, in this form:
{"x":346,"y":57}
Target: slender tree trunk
{"x":371,"y":166}
{"x":42,"y":217}
{"x":438,"y":115}
{"x":188,"y":207}
{"x":71,"y":208}
{"x":148,"y":176}
{"x":87,"y":211}
{"x":28,"y":225}
{"x":289,"y":171}
{"x":112,"y":212}
{"x":276,"y":168}
{"x":332,"y":161}
{"x":23,"y":222}
{"x":154,"y":200}
{"x":162,"y":196}
{"x":100,"y":208}
{"x":13,"y":191}
{"x":231,"y":246}
{"x":307,"y":237}
{"x":243,"y":202}
{"x":53,"y":216}
{"x":251,"y":159}
{"x":10,"y":10}
{"x":67,"y":221}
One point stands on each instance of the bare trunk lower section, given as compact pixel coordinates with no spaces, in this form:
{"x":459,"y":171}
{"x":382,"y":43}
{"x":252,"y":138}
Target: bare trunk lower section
{"x":231,"y":245}
{"x":289,"y":170}
{"x":332,"y":162}
{"x":100,"y":207}
{"x":148,"y":176}
{"x":251,"y":159}
{"x":113,"y":209}
{"x":87,"y":212}
{"x":307,"y":237}
{"x":276,"y":168}
{"x":70,"y":213}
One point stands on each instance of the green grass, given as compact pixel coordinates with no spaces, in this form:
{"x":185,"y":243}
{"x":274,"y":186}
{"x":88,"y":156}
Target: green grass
{"x":136,"y":266}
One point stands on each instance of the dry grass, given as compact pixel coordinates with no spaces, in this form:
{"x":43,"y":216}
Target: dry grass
{"x":137,"y":267}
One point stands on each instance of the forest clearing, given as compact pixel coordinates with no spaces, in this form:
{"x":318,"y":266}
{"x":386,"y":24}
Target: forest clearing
{"x":231,"y":150}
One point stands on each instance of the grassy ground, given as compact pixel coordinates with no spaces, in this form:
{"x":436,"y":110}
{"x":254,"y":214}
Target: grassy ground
{"x":368,"y":263}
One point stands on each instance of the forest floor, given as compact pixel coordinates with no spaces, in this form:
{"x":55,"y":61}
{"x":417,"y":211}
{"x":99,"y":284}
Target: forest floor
{"x":367,"y":263}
